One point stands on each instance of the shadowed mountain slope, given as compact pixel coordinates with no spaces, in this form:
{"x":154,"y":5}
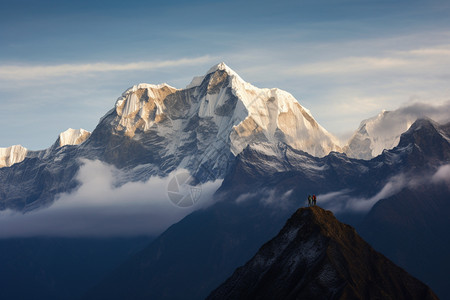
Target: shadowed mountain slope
{"x":317,"y":257}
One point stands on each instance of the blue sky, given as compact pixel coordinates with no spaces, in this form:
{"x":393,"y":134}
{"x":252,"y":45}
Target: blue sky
{"x":64,"y":63}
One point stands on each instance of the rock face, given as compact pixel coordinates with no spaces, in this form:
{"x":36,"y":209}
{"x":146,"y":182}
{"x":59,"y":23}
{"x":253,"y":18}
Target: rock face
{"x":316,"y":257}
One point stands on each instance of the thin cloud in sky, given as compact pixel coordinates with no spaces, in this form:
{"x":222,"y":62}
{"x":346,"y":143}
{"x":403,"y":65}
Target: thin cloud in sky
{"x":441,"y":51}
{"x":348,"y":65}
{"x":405,"y":61}
{"x":23,"y":72}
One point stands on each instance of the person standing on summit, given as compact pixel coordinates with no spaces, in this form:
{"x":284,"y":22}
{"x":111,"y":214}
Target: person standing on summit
{"x":314,"y":199}
{"x":309,"y":200}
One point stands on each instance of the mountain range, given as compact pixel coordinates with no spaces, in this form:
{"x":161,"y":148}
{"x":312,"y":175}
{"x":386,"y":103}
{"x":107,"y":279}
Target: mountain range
{"x":257,"y":200}
{"x":270,"y":153}
{"x":156,"y":129}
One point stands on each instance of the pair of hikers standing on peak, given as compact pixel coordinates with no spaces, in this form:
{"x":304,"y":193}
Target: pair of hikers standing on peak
{"x":312,"y":200}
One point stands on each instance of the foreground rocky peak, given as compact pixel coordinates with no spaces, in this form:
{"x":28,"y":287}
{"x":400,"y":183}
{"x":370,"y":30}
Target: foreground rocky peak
{"x":238,"y":112}
{"x":317,"y":257}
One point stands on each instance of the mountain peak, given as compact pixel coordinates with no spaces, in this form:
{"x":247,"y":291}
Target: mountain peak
{"x":222,"y":67}
{"x":12,"y":155}
{"x":219,"y":66}
{"x":423,"y":122}
{"x":73,"y":137}
{"x":421,"y":127}
{"x":317,"y":257}
{"x":426,"y":136}
{"x":198,"y":80}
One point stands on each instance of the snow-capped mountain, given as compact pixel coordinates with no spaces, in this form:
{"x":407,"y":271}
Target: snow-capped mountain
{"x":235,"y":110}
{"x":216,"y":115}
{"x":17,"y":153}
{"x":154,"y":130}
{"x":204,"y":126}
{"x":383,"y":131}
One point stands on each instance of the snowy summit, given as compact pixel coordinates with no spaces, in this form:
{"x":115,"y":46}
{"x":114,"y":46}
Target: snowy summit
{"x":240,"y":113}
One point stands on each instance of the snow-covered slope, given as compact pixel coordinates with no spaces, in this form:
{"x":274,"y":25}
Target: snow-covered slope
{"x":12,"y":155}
{"x":237,"y":112}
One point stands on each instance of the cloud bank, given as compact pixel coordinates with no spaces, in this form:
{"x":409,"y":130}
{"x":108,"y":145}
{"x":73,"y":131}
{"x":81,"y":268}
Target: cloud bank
{"x":345,"y":201}
{"x":100,"y":208}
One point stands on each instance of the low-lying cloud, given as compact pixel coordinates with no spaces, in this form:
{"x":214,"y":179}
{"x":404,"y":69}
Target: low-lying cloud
{"x":267,"y":197}
{"x":442,"y":175}
{"x":101,"y":208}
{"x":346,"y":201}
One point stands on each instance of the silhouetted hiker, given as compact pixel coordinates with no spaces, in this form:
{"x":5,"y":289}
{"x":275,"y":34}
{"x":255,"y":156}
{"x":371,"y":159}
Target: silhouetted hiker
{"x":309,"y":200}
{"x":314,"y":199}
